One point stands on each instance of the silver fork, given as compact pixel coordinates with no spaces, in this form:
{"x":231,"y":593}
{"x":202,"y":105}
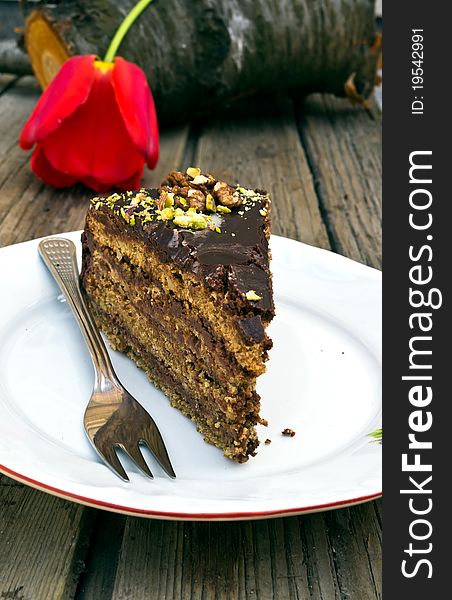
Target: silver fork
{"x":113,"y":418}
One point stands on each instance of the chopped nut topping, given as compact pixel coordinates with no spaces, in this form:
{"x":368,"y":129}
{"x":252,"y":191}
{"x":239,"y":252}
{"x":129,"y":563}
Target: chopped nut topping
{"x":210,"y":203}
{"x":200,"y":180}
{"x":247,"y":193}
{"x":166,"y":200}
{"x":167,"y":214}
{"x":178,"y":178}
{"x":194,"y":200}
{"x":251,"y":295}
{"x":197,"y":200}
{"x":139,"y":198}
{"x":267,"y":442}
{"x":169,"y":200}
{"x":180,"y":202}
{"x":191,"y":220}
{"x":288,"y":432}
{"x":193,"y":172}
{"x":227,"y":195}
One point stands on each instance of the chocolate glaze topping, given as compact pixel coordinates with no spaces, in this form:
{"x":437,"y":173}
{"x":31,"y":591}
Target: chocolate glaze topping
{"x":231,"y":254}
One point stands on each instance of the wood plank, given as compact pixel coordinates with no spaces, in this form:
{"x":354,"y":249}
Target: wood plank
{"x":323,"y":556}
{"x":43,"y":543}
{"x":6,"y":81}
{"x":97,"y":579}
{"x":264,"y":150}
{"x":355,"y":537}
{"x":31,"y":209}
{"x":43,"y":538}
{"x":343,"y":145}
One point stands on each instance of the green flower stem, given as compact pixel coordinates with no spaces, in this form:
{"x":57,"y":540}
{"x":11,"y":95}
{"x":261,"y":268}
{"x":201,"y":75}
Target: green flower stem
{"x":377,"y":434}
{"x":124,"y":28}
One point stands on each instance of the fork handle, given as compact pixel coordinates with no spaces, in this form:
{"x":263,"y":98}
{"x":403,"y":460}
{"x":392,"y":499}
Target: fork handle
{"x":59,"y":255}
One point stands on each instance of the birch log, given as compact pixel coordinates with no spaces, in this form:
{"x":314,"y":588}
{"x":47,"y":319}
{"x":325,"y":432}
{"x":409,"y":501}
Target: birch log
{"x":199,"y":54}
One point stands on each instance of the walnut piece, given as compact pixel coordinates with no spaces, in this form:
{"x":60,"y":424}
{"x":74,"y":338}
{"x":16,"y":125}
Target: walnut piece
{"x":178,"y":178}
{"x":226,"y":195}
{"x":197,"y":200}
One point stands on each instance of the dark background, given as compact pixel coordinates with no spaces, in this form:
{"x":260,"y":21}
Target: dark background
{"x":403,"y":133}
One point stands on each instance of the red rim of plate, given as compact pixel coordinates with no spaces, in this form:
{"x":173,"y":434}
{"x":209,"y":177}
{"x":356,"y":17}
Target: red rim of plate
{"x":183,"y":516}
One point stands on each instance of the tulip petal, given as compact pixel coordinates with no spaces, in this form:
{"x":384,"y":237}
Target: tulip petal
{"x":93,"y":144}
{"x":44,"y":170}
{"x":132,"y":183}
{"x":137,"y":108}
{"x":67,"y":91}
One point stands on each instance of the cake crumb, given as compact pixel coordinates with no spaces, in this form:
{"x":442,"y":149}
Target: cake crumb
{"x":288,"y":432}
{"x":267,"y":442}
{"x":263,"y":422}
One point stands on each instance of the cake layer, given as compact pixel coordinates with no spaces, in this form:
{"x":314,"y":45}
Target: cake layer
{"x":236,"y":438}
{"x":172,"y":317}
{"x":112,"y":298}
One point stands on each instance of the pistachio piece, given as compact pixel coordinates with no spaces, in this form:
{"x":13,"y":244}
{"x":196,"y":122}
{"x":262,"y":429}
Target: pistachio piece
{"x":191,"y":221}
{"x":193,"y":172}
{"x":169,"y":200}
{"x":251,"y":295}
{"x":246,"y":192}
{"x":167,"y":214}
{"x":210,"y":203}
{"x":180,"y":201}
{"x":223,"y":209}
{"x":140,"y":197}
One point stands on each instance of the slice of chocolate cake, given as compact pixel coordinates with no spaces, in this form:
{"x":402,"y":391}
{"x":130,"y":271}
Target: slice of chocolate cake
{"x":178,"y":278}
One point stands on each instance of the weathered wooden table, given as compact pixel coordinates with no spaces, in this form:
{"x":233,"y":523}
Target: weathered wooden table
{"x":320,"y":159}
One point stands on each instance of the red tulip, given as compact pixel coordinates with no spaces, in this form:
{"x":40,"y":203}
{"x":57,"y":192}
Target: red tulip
{"x":95,"y":124}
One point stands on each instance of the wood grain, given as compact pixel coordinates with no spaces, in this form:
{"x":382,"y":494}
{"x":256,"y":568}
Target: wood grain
{"x":260,"y":147}
{"x":343,"y":145}
{"x":43,"y":542}
{"x":310,"y":156}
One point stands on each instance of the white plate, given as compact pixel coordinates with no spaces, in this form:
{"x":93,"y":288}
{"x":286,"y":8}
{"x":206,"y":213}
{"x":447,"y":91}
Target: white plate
{"x":323,"y":381}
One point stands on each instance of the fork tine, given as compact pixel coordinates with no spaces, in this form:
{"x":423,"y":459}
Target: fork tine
{"x":156,"y":445}
{"x":110,"y":458}
{"x":135,"y":454}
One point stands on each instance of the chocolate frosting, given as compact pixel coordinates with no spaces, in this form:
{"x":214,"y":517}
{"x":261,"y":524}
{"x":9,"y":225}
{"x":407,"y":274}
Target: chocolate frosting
{"x":234,"y":260}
